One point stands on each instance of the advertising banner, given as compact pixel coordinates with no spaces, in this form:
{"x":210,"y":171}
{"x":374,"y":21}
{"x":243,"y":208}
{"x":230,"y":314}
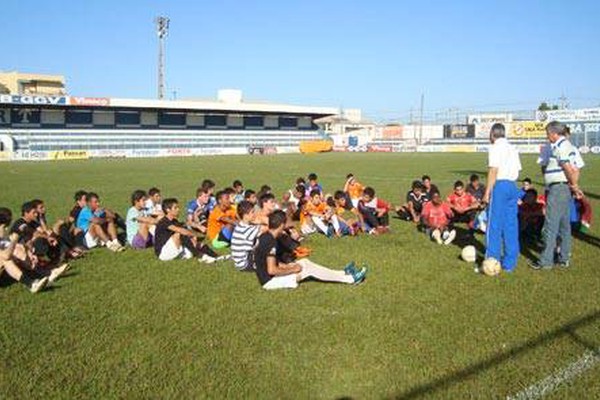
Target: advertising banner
{"x":392,"y":132}
{"x":377,"y":148}
{"x":69,"y":155}
{"x":89,"y":101}
{"x":459,"y":131}
{"x":527,"y":129}
{"x":33,"y":100}
{"x":582,"y":114}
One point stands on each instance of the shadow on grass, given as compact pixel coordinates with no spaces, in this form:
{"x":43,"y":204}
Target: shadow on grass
{"x":567,"y":330}
{"x":592,"y":195}
{"x":589,"y":239}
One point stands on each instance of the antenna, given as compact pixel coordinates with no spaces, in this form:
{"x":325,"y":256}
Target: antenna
{"x":162,"y":28}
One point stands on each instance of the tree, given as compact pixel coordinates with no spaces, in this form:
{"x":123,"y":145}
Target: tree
{"x":546,"y":107}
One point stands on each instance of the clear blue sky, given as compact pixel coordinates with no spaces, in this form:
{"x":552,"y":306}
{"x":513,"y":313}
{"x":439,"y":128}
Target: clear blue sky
{"x":375,"y":55}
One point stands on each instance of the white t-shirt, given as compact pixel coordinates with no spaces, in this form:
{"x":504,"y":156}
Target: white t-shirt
{"x":505,"y":157}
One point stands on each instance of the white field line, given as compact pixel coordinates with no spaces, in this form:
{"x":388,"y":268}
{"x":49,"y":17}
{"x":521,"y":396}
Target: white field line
{"x":550,"y":383}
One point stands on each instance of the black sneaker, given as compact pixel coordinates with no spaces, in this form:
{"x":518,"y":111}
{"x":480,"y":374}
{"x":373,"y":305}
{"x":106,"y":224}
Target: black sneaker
{"x":535,"y":265}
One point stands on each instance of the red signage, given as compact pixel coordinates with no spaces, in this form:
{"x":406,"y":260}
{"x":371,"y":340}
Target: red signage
{"x":89,"y":101}
{"x":376,"y":148}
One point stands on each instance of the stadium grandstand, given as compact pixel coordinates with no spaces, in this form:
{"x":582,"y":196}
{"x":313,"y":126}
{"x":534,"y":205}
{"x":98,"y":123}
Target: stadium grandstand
{"x":38,"y":127}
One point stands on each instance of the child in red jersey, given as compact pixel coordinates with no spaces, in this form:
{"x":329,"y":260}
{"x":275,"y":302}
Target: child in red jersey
{"x":437,"y":216}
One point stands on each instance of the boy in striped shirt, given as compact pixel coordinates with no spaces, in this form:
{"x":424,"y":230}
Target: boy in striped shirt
{"x":244,"y":237}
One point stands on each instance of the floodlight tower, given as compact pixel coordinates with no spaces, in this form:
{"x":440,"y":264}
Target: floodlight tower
{"x":162,"y":28}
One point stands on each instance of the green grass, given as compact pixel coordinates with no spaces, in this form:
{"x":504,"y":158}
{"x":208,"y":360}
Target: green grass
{"x":423,"y":324}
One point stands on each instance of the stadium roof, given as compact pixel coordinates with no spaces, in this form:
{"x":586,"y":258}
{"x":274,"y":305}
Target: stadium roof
{"x":222,"y":106}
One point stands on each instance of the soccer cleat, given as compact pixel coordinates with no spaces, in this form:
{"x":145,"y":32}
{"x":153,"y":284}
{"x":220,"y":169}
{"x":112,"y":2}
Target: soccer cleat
{"x":450,"y":238}
{"x":563,"y":264}
{"x":359,"y":276}
{"x":350,"y":268}
{"x":57,"y":272}
{"x":535,"y":265}
{"x":224,"y":258}
{"x":38,"y":285}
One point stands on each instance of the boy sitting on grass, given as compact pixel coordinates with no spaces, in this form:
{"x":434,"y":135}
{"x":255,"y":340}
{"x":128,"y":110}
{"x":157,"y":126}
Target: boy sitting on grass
{"x":221,"y":221}
{"x":153,"y":204}
{"x":273,"y":274}
{"x":374,"y":213}
{"x":138,"y":224}
{"x":198,"y":210}
{"x":354,"y":189}
{"x":173,"y":241}
{"x":239,"y":191}
{"x":436,"y":217}
{"x":463,"y":205}
{"x":7,"y":249}
{"x":18,"y":251}
{"x":244,"y":237}
{"x":531,"y":216}
{"x":415,"y":199}
{"x":318,"y":216}
{"x":98,"y":225}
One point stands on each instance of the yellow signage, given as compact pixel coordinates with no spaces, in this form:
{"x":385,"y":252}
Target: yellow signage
{"x":528,"y":129}
{"x":69,"y":155}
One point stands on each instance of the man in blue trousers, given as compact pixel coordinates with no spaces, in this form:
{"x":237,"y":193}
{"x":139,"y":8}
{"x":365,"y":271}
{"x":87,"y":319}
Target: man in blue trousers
{"x":501,"y":196}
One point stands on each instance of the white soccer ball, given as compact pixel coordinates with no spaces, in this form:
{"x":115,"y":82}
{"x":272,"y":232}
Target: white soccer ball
{"x":491,"y":267}
{"x":469,"y":254}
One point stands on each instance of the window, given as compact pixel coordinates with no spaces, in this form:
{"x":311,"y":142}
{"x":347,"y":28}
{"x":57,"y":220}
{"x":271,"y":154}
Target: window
{"x":53,"y":117}
{"x":215,"y":121}
{"x":128,"y":118}
{"x":253,"y":121}
{"x":78,"y":117}
{"x":288,"y":122}
{"x":171,"y":119}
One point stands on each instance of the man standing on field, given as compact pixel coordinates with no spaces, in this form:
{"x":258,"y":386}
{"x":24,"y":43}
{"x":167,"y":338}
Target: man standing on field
{"x":502,"y":195}
{"x":561,"y":177}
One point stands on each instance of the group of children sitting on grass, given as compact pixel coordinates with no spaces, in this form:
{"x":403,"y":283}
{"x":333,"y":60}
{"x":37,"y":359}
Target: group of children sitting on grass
{"x":264,"y":235}
{"x":436,"y":216}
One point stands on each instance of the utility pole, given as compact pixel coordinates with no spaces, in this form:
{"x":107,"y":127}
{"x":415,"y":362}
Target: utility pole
{"x":564,"y":103}
{"x":162,"y":28}
{"x":421,"y":118}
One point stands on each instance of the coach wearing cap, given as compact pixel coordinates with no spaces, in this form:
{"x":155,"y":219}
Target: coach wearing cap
{"x":501,"y":195}
{"x":561,"y":178}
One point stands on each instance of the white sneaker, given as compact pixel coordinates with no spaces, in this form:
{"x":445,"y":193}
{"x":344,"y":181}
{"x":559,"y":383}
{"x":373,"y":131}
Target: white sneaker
{"x":224,"y":258}
{"x":437,"y":236}
{"x":57,"y":272}
{"x":112,"y":246}
{"x":450,"y":238}
{"x":38,"y":284}
{"x":207,"y":259}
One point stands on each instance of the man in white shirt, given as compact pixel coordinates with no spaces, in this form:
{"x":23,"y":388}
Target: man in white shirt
{"x":502,"y":195}
{"x":561,"y":175}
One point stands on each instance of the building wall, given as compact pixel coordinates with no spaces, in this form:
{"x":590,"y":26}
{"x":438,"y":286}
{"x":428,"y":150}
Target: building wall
{"x":25,"y":84}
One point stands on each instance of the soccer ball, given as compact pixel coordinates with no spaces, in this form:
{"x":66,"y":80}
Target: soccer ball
{"x":469,"y":254}
{"x":491,"y":267}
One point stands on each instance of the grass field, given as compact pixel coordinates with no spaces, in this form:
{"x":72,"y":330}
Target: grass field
{"x":422,"y":325}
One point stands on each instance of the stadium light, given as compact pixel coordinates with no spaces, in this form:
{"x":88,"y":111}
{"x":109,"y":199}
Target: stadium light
{"x":162,"y":28}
